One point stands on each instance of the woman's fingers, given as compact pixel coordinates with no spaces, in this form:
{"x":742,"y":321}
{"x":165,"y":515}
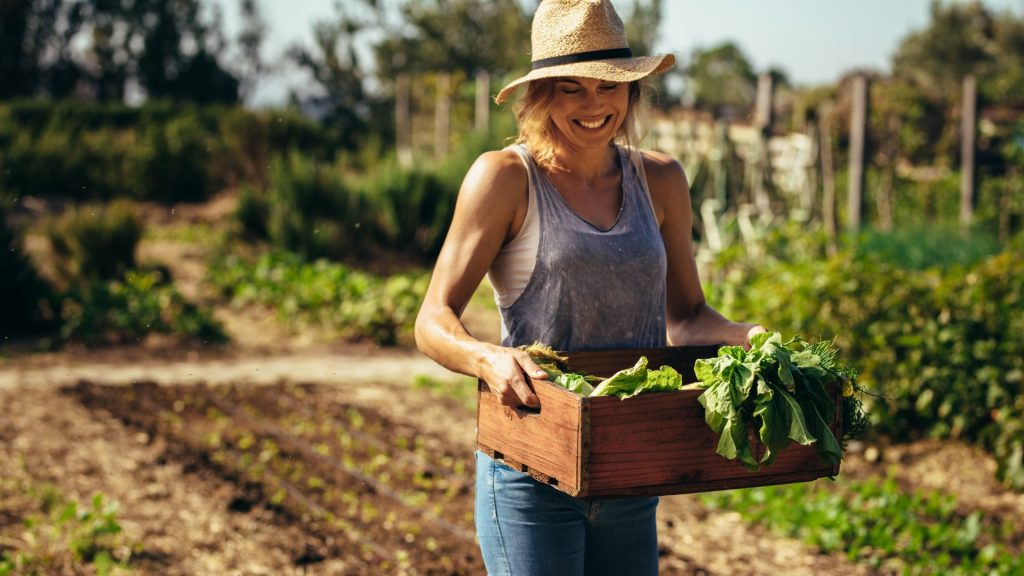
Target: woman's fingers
{"x":511,"y":380}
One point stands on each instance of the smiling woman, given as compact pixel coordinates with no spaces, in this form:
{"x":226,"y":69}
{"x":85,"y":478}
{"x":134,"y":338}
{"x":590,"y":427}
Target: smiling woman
{"x":587,"y":242}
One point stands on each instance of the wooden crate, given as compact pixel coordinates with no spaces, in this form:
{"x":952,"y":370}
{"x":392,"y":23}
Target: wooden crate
{"x":653,"y":444}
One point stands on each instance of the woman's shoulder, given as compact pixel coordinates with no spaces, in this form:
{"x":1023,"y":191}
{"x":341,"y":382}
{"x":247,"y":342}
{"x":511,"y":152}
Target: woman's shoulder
{"x":504,"y":159}
{"x":660,"y":164}
{"x":497,"y":172}
{"x":663,"y":171}
{"x":498,"y":168}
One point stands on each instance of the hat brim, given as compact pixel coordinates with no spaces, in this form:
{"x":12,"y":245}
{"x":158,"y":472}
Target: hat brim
{"x":616,"y":70}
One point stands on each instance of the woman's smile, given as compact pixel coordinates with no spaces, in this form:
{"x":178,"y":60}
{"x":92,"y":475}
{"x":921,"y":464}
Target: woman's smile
{"x":593,"y":124}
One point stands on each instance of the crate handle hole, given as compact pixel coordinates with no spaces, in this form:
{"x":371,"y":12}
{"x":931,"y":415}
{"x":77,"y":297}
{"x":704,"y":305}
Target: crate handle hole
{"x":527,"y":410}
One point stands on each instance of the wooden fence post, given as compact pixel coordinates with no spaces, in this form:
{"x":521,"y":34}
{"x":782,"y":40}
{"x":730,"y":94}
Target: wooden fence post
{"x":968,"y":124}
{"x":763,"y":122}
{"x":858,"y":138}
{"x":442,"y":114}
{"x":403,"y":129}
{"x":828,"y":176}
{"x":482,"y":114}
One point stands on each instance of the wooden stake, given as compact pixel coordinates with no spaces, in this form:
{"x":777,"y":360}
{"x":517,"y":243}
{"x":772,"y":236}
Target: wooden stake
{"x":482,"y":115}
{"x":442,"y":114}
{"x":858,"y":138}
{"x":968,"y":124}
{"x":403,"y":131}
{"x":828,"y":177}
{"x":763,"y":121}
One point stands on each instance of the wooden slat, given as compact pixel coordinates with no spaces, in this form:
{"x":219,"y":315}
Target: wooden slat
{"x":690,"y":486}
{"x":545,"y":443}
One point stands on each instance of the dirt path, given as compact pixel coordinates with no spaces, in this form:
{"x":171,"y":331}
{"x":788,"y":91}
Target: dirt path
{"x":327,"y":367}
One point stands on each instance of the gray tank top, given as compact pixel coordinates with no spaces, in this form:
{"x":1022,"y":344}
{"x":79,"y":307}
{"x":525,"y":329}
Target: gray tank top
{"x":592,"y":289}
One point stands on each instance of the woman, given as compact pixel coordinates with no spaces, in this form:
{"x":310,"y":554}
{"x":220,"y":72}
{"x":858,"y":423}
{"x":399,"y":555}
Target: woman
{"x":588,"y":246}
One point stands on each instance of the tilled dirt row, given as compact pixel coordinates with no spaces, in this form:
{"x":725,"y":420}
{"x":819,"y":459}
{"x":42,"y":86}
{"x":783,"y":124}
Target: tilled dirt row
{"x":183,"y":518}
{"x":386,"y":497}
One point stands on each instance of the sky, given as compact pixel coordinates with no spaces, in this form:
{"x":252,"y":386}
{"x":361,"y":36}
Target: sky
{"x":813,"y":41}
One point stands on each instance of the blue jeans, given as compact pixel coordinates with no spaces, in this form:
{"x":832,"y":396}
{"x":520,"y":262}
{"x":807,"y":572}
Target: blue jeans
{"x":527,"y":528}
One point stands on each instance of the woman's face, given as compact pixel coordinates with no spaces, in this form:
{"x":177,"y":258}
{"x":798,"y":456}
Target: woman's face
{"x":588,"y":112}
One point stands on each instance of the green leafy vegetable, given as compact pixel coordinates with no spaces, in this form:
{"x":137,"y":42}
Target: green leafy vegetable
{"x":780,"y":388}
{"x":624,"y":382}
{"x":574,"y":383}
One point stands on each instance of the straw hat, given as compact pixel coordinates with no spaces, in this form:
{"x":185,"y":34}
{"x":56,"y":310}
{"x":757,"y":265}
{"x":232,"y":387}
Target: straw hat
{"x":584,"y":38}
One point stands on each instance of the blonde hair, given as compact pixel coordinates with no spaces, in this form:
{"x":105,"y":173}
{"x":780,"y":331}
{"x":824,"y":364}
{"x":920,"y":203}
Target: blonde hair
{"x":537,"y":131}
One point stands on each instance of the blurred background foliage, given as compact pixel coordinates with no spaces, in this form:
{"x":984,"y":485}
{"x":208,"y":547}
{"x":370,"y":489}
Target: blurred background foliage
{"x":114,"y":110}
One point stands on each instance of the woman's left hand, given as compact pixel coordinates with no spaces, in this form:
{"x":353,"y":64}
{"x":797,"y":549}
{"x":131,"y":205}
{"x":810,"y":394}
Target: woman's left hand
{"x":752,"y":330}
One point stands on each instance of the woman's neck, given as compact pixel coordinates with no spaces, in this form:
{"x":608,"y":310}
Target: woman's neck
{"x":589,"y":164}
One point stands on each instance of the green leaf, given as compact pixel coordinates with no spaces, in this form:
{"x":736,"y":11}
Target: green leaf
{"x":623,"y":382}
{"x":574,"y":383}
{"x":664,"y":379}
{"x":774,"y":421}
{"x":827,"y":446}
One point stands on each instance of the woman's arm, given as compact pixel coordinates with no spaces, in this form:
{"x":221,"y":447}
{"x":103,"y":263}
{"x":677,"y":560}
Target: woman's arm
{"x":691,"y":321}
{"x":490,"y":207}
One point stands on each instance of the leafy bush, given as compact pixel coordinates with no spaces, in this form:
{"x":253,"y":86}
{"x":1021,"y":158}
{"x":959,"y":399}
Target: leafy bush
{"x":325,"y":210}
{"x":114,"y":311}
{"x":945,"y":348}
{"x":359,"y":306}
{"x":25,"y":298}
{"x":928,"y":246}
{"x":94,"y":241}
{"x":877,"y":523}
{"x":171,"y":161}
{"x":160,"y":151}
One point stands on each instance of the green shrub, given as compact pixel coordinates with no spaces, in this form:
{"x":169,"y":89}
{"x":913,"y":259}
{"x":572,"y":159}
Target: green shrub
{"x":25,"y":298}
{"x":95,"y":241}
{"x":322,"y":209}
{"x":876,"y":523}
{"x":311,"y":211}
{"x":921,"y":247}
{"x":171,"y":161}
{"x":162,"y":151}
{"x":117,"y":311}
{"x":357,"y":305}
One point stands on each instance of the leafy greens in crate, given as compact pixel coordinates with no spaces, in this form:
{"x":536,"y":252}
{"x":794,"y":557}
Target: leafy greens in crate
{"x":779,"y":387}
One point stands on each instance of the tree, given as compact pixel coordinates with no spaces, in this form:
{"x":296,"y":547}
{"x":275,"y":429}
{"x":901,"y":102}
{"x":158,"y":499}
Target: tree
{"x":954,"y":44}
{"x":723,"y":80}
{"x":35,"y":47}
{"x":960,"y":39}
{"x":180,"y":58}
{"x":250,"y":43}
{"x":642,"y":22}
{"x":338,"y":95}
{"x":454,"y":35}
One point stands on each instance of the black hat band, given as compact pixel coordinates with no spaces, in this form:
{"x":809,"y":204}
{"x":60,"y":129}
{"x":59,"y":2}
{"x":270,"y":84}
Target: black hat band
{"x":582,"y":57}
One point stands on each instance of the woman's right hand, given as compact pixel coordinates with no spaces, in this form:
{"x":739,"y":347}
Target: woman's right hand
{"x":507,"y":372}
